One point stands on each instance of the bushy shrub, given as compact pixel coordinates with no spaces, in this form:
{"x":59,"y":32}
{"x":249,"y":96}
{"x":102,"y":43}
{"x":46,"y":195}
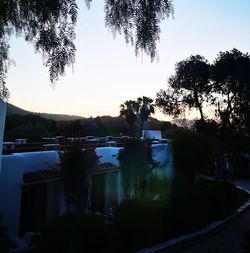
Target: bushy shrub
{"x":192,"y":153}
{"x":144,"y":222}
{"x":77,"y":165}
{"x":134,"y":163}
{"x":138,"y":223}
{"x":4,"y":241}
{"x":74,"y":234}
{"x":208,"y":127}
{"x":246,"y":241}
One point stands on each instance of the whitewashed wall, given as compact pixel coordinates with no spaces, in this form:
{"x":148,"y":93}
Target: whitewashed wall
{"x":11,"y":191}
{"x":11,"y":182}
{"x":13,"y":167}
{"x":108,"y":155}
{"x":2,"y":121}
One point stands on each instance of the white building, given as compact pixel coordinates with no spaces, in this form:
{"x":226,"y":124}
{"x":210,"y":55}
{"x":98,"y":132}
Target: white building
{"x":2,"y":121}
{"x":31,"y":189}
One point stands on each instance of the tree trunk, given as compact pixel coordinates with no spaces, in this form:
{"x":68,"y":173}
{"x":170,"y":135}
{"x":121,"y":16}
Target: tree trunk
{"x":141,"y":128}
{"x":198,"y":104}
{"x":131,"y":130}
{"x":201,"y":112}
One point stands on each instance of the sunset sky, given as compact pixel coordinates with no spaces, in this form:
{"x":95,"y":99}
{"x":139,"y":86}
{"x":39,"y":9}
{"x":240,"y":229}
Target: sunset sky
{"x":107,"y":72}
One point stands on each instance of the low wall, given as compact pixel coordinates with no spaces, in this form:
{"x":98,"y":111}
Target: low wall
{"x":2,"y":122}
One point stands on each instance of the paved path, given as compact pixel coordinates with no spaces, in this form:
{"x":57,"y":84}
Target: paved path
{"x":228,"y":239}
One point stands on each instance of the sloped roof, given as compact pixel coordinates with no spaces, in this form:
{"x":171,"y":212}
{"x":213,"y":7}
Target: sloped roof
{"x":105,"y":167}
{"x":42,"y":176}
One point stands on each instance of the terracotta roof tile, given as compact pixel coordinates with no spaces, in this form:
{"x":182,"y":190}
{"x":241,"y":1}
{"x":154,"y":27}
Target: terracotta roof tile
{"x":40,"y":176}
{"x":105,"y":167}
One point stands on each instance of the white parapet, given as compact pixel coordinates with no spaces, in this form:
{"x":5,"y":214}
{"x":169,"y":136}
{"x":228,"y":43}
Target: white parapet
{"x":2,"y":122}
{"x":152,"y":134}
{"x":108,"y":155}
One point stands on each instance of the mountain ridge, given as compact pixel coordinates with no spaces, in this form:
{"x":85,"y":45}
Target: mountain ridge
{"x":12,"y":109}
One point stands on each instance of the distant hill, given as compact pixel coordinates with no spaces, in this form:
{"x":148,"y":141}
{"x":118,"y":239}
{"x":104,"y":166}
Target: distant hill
{"x":33,"y":126}
{"x":107,"y":121}
{"x":12,"y":109}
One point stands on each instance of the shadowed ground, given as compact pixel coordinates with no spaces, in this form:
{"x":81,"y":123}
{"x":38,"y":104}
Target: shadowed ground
{"x":228,"y":239}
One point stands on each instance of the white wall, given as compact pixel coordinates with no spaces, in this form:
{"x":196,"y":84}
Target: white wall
{"x":43,"y":160}
{"x":2,"y":121}
{"x":11,"y":191}
{"x":164,"y":155}
{"x":108,"y":155}
{"x":11,"y":182}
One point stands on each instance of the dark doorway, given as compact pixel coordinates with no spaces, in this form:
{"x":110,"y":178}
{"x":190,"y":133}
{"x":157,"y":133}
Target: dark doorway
{"x":40,"y":203}
{"x":98,"y":193}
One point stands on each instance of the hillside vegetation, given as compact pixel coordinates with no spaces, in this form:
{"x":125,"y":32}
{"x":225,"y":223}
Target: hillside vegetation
{"x":33,"y":126}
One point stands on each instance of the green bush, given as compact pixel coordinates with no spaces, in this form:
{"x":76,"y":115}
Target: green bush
{"x":4,"y":241}
{"x":138,"y":223}
{"x":134,"y":164}
{"x":76,"y":166}
{"x":192,"y":153}
{"x":144,"y":222}
{"x":73,"y":234}
{"x":246,"y":241}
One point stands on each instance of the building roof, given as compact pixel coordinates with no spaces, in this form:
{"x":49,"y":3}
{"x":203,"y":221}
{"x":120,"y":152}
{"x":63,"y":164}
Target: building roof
{"x":42,"y":176}
{"x":105,"y":167}
{"x":45,"y":176}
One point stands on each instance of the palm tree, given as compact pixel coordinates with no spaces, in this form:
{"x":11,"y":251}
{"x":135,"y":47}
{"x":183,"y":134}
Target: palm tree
{"x":129,"y":110}
{"x":145,"y":107}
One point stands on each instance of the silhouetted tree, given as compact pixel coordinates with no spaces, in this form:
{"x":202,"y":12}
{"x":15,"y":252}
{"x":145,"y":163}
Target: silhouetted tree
{"x":77,"y":165}
{"x":145,"y":107}
{"x":231,"y":83}
{"x":134,"y":162}
{"x":128,"y":110}
{"x":206,"y":127}
{"x":50,"y":26}
{"x":188,"y":88}
{"x":32,"y":127}
{"x":193,"y":154}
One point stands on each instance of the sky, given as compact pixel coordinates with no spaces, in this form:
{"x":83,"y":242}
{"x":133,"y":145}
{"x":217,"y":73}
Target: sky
{"x":107,"y":72}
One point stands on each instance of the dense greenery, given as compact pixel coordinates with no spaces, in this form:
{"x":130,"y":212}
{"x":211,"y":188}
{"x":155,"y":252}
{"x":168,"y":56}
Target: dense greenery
{"x":142,"y":108}
{"x":188,"y":88}
{"x":28,"y":126}
{"x":138,"y":223}
{"x":224,"y":88}
{"x":193,"y":153}
{"x":246,"y":241}
{"x":73,"y":234}
{"x":76,"y":166}
{"x":34,"y":127}
{"x":4,"y":240}
{"x":168,"y":208}
{"x":134,"y":165}
{"x":223,"y":85}
{"x":128,"y":110}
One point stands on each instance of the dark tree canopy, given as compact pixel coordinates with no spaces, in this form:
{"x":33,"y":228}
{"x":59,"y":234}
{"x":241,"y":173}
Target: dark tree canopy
{"x":188,"y":88}
{"x":145,"y":107}
{"x":128,"y":110}
{"x":224,"y":85}
{"x":231,"y":81}
{"x":50,"y":26}
{"x":139,"y":21}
